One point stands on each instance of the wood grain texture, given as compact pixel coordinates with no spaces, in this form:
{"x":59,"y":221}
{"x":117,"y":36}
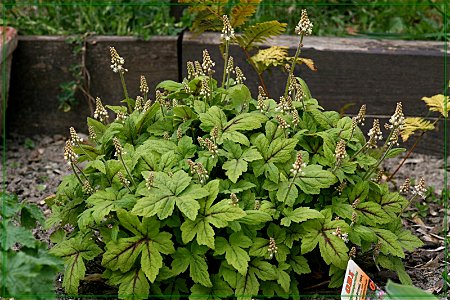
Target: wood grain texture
{"x":41,"y":64}
{"x":351,"y":72}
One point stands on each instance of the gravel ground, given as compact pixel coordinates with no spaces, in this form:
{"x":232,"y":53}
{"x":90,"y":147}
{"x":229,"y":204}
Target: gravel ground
{"x":35,"y":167}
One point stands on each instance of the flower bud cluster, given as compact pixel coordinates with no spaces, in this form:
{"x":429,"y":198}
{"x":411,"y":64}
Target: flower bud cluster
{"x":375,"y":134}
{"x":257,"y":205}
{"x":406,"y":186}
{"x":340,"y":152}
{"x":397,"y":119}
{"x":234,"y":199}
{"x":138,"y":104}
{"x":304,"y":26}
{"x":356,"y":203}
{"x":352,"y":252}
{"x":227,"y":30}
{"x":240,"y":78}
{"x":205,"y":91}
{"x":298,"y":92}
{"x":121,"y":116}
{"x":282,"y":123}
{"x":230,"y":65}
{"x":393,"y":140}
{"x":147,"y":105}
{"x":354,"y":218}
{"x":361,"y":115}
{"x":198,"y":68}
{"x":419,"y":188}
{"x":284,"y":105}
{"x":92,"y":134}
{"x":215,"y":133}
{"x":118,"y":147}
{"x":340,"y":188}
{"x":191,"y":70}
{"x":117,"y":62}
{"x":339,"y":234}
{"x":208,"y":64}
{"x":379,"y":176}
{"x":69,"y":153}
{"x":150,"y":180}
{"x":87,"y":188}
{"x":197,"y":168}
{"x":272,"y":249}
{"x":295,"y":117}
{"x":100,"y":112}
{"x":211,"y":146}
{"x":179,"y":133}
{"x":74,"y":138}
{"x":143,"y":88}
{"x":186,"y":87}
{"x":125,"y":182}
{"x":298,"y":165}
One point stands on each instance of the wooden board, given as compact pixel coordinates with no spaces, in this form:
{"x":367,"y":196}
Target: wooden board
{"x":41,"y":64}
{"x":351,"y":72}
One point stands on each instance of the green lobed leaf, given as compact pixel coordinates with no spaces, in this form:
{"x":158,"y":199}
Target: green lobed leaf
{"x":371,"y":213}
{"x":299,"y":265}
{"x":389,"y":242}
{"x":247,"y":286}
{"x":408,"y":241}
{"x":299,"y":215}
{"x":74,"y":251}
{"x":287,"y":193}
{"x":214,"y":117}
{"x":132,"y":284}
{"x":245,"y":121}
{"x":168,"y":191}
{"x":234,"y":168}
{"x":313,"y":179}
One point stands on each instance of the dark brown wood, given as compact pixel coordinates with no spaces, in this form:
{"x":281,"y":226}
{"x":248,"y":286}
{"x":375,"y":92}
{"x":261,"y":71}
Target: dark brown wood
{"x":8,"y":43}
{"x":41,"y":64}
{"x":351,"y":72}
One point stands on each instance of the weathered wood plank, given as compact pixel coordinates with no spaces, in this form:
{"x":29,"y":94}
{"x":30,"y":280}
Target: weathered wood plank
{"x":41,"y":64}
{"x":351,"y":71}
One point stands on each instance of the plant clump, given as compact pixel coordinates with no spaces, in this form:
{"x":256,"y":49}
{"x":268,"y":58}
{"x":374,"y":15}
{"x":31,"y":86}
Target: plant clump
{"x":208,"y":190}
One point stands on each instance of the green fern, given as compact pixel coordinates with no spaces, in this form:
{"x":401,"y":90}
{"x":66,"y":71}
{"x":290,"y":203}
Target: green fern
{"x":437,"y":103}
{"x":259,"y":33}
{"x":412,"y":125}
{"x":242,"y":12}
{"x":208,"y":14}
{"x":270,"y":57}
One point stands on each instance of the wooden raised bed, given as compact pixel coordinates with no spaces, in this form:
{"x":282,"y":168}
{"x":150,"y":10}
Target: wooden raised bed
{"x":8,"y":43}
{"x":41,"y":64}
{"x":352,"y":71}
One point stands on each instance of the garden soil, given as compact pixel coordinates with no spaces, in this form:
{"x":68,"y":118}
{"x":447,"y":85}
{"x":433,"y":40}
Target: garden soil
{"x":35,"y":166}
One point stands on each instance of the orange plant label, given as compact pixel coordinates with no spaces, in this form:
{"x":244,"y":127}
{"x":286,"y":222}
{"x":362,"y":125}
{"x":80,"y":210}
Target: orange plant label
{"x":358,"y":286}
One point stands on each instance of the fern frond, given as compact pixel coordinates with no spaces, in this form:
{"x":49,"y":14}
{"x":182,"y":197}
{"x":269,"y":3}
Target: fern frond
{"x":206,"y":21}
{"x":259,"y":33}
{"x":412,"y":125}
{"x":208,"y":14}
{"x":270,"y":57}
{"x":307,"y":61}
{"x":242,"y":12}
{"x":436,"y":103}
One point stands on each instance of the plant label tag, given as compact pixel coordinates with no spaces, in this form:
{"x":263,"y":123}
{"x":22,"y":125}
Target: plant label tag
{"x":358,"y":286}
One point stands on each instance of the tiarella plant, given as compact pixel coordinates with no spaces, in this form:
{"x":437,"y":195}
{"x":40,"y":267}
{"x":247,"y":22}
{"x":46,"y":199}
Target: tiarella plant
{"x":208,"y":191}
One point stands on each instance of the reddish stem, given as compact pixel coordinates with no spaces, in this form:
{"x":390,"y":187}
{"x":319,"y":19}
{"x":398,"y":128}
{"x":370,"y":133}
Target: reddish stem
{"x":261,"y":80}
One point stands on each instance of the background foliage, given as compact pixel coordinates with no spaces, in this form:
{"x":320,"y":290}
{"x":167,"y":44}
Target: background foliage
{"x":402,"y":19}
